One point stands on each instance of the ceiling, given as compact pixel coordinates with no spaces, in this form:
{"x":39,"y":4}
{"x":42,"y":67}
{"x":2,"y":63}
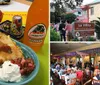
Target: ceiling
{"x":62,"y":48}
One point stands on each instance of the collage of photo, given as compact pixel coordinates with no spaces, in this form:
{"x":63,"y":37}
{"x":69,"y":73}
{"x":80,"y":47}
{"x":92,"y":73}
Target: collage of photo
{"x":49,"y":42}
{"x":24,"y":42}
{"x":75,"y":42}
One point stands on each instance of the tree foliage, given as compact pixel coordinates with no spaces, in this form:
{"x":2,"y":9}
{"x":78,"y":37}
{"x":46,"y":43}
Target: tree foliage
{"x":61,"y":5}
{"x":70,"y":17}
{"x":97,"y":27}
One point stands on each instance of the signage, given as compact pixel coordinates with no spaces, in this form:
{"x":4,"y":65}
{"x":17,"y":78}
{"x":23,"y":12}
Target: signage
{"x":84,"y":29}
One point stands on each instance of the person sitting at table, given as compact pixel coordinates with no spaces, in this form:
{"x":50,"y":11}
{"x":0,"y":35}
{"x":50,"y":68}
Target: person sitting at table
{"x":57,"y":67}
{"x":74,"y":68}
{"x":73,"y":74}
{"x":53,"y":70}
{"x":67,"y":77}
{"x":96,"y":79}
{"x":71,"y":64}
{"x":79,"y":74}
{"x":92,"y":70}
{"x":87,"y":71}
{"x":62,"y":70}
{"x":96,"y":71}
{"x":51,"y":81}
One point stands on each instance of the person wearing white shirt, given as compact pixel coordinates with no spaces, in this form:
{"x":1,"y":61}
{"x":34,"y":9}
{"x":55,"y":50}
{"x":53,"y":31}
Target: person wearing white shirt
{"x":67,"y":79}
{"x":97,"y":77}
{"x":51,"y":81}
{"x":73,"y":74}
{"x":54,"y":70}
{"x":61,"y":72}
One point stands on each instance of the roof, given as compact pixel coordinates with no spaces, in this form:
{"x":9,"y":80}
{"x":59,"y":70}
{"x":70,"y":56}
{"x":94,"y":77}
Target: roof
{"x":93,"y":3}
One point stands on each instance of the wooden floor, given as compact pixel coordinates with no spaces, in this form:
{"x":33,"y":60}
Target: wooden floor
{"x":24,"y":2}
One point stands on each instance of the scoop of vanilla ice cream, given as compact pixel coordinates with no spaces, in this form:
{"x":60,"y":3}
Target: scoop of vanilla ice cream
{"x":10,"y":72}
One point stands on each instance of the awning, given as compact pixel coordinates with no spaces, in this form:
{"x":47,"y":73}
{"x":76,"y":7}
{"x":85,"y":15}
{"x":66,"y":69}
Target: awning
{"x":82,"y":54}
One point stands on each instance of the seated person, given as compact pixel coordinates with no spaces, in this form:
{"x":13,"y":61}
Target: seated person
{"x":73,"y":74}
{"x":67,"y":77}
{"x":96,"y":71}
{"x":87,"y":71}
{"x":96,"y":79}
{"x":79,"y":74}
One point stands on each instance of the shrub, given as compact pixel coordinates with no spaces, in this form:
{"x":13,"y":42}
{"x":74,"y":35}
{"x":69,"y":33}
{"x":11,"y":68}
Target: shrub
{"x":91,"y":39}
{"x":54,"y":36}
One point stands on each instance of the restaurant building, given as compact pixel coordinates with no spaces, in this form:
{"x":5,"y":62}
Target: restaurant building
{"x":82,"y":13}
{"x":83,"y":52}
{"x":94,"y":10}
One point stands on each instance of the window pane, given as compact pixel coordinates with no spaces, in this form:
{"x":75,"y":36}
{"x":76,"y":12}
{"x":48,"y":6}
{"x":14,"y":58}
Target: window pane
{"x":92,"y":10}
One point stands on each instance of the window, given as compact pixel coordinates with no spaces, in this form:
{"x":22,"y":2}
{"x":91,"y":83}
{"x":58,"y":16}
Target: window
{"x":84,"y":12}
{"x":92,"y":10}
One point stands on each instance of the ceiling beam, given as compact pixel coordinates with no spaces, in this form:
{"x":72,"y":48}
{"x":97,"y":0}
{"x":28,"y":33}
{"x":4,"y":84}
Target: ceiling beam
{"x":95,"y":45}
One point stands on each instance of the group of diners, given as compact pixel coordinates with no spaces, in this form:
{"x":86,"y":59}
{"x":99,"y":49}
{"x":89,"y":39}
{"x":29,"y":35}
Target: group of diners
{"x":74,"y":74}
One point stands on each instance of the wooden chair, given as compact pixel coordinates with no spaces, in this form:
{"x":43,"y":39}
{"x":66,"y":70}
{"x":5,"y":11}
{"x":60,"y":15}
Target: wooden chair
{"x":86,"y":83}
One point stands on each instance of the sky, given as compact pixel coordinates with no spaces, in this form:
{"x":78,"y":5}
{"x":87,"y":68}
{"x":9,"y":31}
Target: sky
{"x":88,"y":1}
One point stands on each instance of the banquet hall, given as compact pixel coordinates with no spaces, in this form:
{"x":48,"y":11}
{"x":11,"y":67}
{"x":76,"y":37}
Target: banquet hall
{"x":75,"y":64}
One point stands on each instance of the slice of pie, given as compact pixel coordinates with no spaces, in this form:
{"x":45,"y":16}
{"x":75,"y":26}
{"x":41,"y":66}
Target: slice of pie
{"x":8,"y":48}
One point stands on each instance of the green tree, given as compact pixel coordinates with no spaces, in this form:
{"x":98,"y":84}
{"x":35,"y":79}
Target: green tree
{"x":52,"y":17}
{"x":60,"y":6}
{"x":59,"y":9}
{"x":70,"y":17}
{"x":97,"y":27}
